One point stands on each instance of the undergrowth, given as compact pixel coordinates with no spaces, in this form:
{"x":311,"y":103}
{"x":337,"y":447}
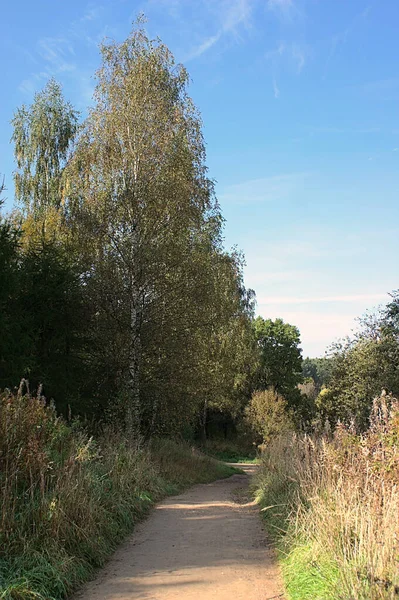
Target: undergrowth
{"x":67,"y":499}
{"x":229,"y":451}
{"x":331,"y":505}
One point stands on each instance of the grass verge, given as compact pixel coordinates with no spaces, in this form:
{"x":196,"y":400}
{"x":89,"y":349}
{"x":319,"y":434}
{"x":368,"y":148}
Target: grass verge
{"x":331,"y":505}
{"x":68,"y":500}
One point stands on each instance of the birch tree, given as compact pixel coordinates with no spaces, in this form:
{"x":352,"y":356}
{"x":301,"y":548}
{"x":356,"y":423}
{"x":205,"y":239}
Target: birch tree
{"x":42,"y":137}
{"x":145,"y":195}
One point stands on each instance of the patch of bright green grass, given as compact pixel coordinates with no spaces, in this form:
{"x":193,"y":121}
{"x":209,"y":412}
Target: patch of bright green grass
{"x":306,"y":575}
{"x":229,"y":452}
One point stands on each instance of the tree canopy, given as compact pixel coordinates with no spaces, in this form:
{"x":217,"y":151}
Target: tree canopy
{"x":42,"y":136}
{"x":362,"y":367}
{"x":130,"y":301}
{"x":280,"y":365}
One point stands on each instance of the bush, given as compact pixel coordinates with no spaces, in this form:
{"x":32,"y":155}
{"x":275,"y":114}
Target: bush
{"x":267,"y":415}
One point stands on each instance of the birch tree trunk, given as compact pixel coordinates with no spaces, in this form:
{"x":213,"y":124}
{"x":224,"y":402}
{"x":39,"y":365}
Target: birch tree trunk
{"x":133,"y":406}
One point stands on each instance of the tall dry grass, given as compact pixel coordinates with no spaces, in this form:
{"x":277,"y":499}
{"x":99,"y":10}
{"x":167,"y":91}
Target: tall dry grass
{"x":332,"y":504}
{"x":66,"y":500}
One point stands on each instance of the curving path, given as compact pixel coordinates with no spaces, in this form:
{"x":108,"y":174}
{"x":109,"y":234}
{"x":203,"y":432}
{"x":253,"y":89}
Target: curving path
{"x":206,"y":544}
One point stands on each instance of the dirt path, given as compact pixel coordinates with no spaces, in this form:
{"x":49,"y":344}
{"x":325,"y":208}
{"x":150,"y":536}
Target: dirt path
{"x":206,"y":544}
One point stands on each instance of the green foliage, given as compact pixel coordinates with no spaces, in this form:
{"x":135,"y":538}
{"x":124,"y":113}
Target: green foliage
{"x":319,"y":369}
{"x":267,"y":415}
{"x":123,"y":302}
{"x":169,"y":312}
{"x":361,"y":368}
{"x":9,"y":280}
{"x":280,"y":364}
{"x":147,"y":203}
{"x":43,"y":134}
{"x":50,"y":301}
{"x":42,"y":318}
{"x":281,"y":360}
{"x":391,"y":314}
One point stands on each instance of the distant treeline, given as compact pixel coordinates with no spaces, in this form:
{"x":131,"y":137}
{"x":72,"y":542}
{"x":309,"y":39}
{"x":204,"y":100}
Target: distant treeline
{"x":358,"y":369}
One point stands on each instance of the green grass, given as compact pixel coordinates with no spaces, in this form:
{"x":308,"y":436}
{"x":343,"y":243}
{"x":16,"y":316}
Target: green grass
{"x":306,"y":578}
{"x":230,"y":452}
{"x":305,"y":575}
{"x":57,"y":540}
{"x":182,"y":465}
{"x":330,"y":506}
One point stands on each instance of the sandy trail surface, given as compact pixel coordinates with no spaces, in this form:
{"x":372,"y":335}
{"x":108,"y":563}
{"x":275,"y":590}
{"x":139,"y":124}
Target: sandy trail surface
{"x":206,"y":544}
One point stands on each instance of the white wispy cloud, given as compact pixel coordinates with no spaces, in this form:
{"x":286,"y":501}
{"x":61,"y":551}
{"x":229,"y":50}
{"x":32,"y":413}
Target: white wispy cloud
{"x":231,"y":14}
{"x":235,"y":12}
{"x":341,"y":37}
{"x":57,"y":56}
{"x":282,"y":57}
{"x":265,"y":189}
{"x":58,"y":52}
{"x":28,"y":86}
{"x":204,"y":46}
{"x":276,"y":89}
{"x":276,"y":52}
{"x":91,"y":14}
{"x":321,"y":299}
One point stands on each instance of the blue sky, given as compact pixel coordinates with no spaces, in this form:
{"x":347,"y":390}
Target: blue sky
{"x":300,"y":103}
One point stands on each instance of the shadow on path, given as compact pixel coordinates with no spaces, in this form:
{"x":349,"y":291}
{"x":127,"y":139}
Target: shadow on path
{"x":206,"y":544}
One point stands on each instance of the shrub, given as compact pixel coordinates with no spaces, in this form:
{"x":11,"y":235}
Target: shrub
{"x":267,"y":415}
